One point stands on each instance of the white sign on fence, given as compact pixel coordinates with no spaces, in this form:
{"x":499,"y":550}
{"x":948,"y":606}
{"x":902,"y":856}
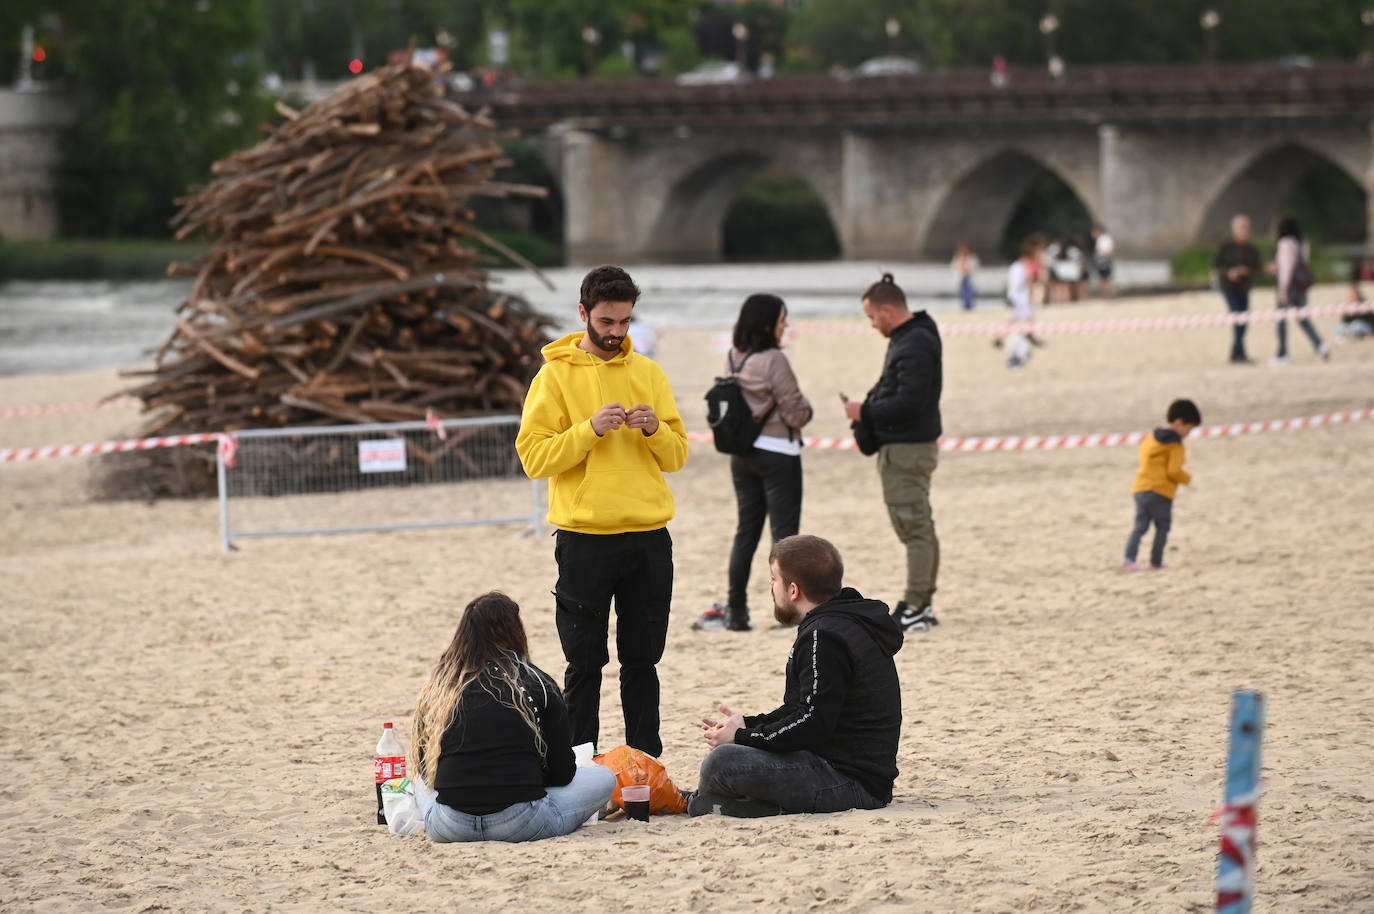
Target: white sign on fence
{"x":382,"y":455}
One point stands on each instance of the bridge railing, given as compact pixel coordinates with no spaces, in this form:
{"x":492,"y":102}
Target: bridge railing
{"x":1118,"y":92}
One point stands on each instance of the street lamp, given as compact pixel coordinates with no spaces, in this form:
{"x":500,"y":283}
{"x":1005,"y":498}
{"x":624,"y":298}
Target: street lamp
{"x":592,"y":38}
{"x":893,"y":29}
{"x":1049,"y":24}
{"x":741,"y":33}
{"x":1367,"y":20}
{"x":1209,"y":21}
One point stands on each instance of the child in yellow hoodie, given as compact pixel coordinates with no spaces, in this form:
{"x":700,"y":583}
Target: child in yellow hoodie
{"x":1161,"y":470}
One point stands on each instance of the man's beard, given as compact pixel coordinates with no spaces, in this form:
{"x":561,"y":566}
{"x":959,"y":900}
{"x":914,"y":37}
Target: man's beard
{"x":787,"y":613}
{"x":604,"y":343}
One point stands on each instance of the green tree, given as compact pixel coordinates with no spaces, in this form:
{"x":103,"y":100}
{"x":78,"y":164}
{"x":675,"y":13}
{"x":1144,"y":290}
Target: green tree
{"x":548,"y":34}
{"x":161,"y":88}
{"x":330,"y":33}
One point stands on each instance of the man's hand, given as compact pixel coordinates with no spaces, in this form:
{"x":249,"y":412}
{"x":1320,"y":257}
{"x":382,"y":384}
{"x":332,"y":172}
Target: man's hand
{"x":853,"y":410}
{"x":610,"y":416}
{"x":719,"y":732}
{"x":643,"y":418}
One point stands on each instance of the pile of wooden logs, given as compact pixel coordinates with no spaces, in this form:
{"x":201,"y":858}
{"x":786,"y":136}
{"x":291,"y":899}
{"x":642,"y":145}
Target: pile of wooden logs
{"x":337,"y":288}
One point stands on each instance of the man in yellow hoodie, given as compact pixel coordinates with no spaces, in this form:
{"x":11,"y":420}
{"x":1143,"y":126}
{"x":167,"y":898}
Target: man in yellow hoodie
{"x":1161,"y":470}
{"x":601,"y":425}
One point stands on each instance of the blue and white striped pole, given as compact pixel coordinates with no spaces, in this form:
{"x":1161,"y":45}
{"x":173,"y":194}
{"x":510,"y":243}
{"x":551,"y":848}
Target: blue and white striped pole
{"x":1236,"y":863}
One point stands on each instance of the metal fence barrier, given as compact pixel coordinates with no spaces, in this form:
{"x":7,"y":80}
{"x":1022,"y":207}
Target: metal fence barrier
{"x":365,"y":478}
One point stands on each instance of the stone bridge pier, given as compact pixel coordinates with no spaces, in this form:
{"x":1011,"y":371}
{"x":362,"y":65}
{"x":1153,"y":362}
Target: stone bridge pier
{"x":645,"y":195}
{"x":31,"y":125}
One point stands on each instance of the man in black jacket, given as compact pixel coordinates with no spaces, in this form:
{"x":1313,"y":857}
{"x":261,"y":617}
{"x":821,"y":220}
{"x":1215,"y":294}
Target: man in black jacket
{"x":832,"y":745}
{"x":901,"y":415}
{"x":1236,"y":262}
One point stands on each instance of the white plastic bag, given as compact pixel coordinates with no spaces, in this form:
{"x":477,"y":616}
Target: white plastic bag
{"x":400,"y":807}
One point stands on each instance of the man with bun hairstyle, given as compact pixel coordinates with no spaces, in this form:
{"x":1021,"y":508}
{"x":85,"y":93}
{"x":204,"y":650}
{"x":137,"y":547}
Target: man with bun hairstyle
{"x":901,"y":415}
{"x":832,"y":744}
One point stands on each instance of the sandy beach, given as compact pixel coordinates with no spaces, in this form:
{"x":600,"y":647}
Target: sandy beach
{"x":192,"y":731}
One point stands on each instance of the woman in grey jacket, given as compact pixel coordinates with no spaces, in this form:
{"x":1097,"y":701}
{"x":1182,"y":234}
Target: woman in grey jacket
{"x":768,"y":480}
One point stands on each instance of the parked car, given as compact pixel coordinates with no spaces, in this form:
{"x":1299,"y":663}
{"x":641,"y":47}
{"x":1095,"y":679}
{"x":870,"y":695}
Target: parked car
{"x":888,"y":66}
{"x":713,"y":72}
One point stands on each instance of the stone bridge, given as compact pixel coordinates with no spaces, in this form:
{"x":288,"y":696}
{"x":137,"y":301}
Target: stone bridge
{"x":31,"y":124}
{"x":909,"y":166}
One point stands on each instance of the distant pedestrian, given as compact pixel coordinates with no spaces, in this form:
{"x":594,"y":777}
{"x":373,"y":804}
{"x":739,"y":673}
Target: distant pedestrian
{"x":768,"y":480}
{"x":901,"y":416}
{"x":1020,"y":279}
{"x":964,"y":264}
{"x":1104,"y":254}
{"x":1360,"y":324}
{"x":998,"y":76}
{"x":1235,"y":264}
{"x":1294,"y":277}
{"x":1156,"y":482}
{"x":643,"y":338}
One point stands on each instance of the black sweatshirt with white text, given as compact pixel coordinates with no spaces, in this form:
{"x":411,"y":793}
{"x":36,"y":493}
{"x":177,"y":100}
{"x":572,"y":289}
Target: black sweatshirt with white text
{"x":842,"y":699}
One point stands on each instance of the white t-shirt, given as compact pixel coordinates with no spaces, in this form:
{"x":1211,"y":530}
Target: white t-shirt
{"x":1019,"y":292}
{"x":1104,"y":247}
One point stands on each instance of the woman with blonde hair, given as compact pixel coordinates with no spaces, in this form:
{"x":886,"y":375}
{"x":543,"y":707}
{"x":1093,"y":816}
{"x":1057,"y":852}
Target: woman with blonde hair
{"x":491,"y":739}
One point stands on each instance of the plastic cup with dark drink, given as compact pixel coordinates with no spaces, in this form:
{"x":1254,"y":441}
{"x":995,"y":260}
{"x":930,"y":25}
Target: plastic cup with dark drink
{"x":636,"y":800}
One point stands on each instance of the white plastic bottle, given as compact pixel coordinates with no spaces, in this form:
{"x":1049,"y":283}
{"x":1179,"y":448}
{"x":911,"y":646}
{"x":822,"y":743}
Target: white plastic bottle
{"x":389,"y":762}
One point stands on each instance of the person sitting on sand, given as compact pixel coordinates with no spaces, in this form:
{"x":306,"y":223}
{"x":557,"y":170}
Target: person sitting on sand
{"x":832,"y":744}
{"x":491,"y":740}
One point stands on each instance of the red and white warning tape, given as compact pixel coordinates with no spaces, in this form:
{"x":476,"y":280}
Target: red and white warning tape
{"x":54,"y":409}
{"x":228,"y":445}
{"x":1060,"y":442}
{"x":1108,"y":325}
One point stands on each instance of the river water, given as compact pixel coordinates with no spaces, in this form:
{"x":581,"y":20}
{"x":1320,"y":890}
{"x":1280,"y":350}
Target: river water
{"x":65,"y":326}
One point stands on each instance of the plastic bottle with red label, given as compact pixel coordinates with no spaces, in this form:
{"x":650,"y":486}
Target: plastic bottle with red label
{"x":389,"y":762}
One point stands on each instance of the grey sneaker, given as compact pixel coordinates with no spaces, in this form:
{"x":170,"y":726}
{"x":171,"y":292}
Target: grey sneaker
{"x":713,"y":620}
{"x":909,"y":619}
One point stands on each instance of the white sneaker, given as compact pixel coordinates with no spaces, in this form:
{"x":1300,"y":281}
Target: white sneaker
{"x":1278,"y":361}
{"x":1324,"y":352}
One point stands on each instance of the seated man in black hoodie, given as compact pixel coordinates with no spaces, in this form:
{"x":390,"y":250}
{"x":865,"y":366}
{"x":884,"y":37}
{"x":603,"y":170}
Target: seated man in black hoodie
{"x":832,"y":745}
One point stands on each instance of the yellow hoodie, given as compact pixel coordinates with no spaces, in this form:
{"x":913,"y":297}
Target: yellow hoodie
{"x":611,"y":484}
{"x":1161,"y":463}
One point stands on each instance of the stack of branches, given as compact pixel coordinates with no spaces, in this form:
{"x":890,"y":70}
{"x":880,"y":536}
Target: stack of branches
{"x":338,"y":289}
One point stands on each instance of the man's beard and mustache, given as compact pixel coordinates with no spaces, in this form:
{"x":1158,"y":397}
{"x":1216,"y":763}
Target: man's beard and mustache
{"x":787,"y":612}
{"x":604,"y":343}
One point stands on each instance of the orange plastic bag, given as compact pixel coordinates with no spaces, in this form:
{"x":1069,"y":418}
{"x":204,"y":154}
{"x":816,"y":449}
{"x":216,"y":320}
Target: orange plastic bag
{"x":634,"y":767}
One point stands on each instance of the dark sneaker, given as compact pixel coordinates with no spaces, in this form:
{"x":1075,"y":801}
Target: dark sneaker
{"x":909,"y":619}
{"x":713,"y":620}
{"x":737,"y":622}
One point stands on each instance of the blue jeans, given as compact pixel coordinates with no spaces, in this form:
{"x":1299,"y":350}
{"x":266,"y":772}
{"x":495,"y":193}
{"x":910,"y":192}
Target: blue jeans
{"x":1151,"y":507}
{"x":559,"y":812}
{"x":1237,"y":302}
{"x":967,"y":297}
{"x":749,"y":783}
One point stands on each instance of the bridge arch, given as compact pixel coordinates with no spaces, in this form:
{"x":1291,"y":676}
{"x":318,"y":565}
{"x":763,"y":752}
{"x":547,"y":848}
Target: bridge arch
{"x":1260,"y":184}
{"x":692,"y":199}
{"x":979,"y":206}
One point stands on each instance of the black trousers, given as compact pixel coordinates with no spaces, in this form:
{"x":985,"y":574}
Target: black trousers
{"x":636,"y":570}
{"x":769,"y":485}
